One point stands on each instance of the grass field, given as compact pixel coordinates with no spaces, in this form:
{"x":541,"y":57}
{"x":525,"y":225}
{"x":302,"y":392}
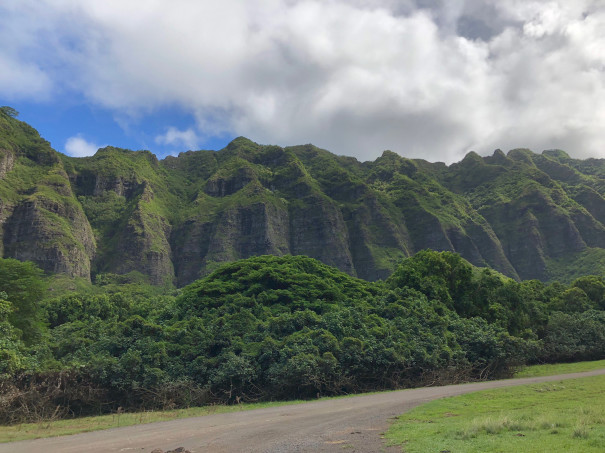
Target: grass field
{"x":72,"y":426}
{"x":559,"y":368}
{"x":551,"y":417}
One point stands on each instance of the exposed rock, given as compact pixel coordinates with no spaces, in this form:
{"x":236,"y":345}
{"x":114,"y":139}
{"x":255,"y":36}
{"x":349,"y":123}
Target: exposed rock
{"x":224,"y":186}
{"x":190,"y":244}
{"x":592,"y":201}
{"x":377,"y":241}
{"x":258,"y":229}
{"x":426,"y":231}
{"x":7,"y":161}
{"x":143,"y":246}
{"x":489,"y":246}
{"x":54,"y":235}
{"x":317,"y":229}
{"x":121,"y":186}
{"x":178,"y":219}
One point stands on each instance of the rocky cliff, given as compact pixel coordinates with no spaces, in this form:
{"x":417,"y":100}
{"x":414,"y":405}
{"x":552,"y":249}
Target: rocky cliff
{"x":41,"y":219}
{"x":126,"y":212}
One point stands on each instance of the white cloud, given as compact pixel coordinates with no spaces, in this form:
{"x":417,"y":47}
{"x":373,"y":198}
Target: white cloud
{"x":22,"y":79}
{"x":176,"y":137}
{"x":355,"y":77}
{"x":78,"y":147}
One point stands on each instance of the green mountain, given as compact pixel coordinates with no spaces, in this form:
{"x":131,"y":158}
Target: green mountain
{"x":170,"y":221}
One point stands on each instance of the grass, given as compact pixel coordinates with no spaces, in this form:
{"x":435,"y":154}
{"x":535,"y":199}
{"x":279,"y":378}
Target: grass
{"x":54,"y":428}
{"x":561,"y":416}
{"x":559,"y":368}
{"x":570,"y":267}
{"x":84,"y":424}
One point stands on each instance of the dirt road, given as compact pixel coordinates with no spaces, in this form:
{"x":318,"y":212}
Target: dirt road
{"x":349,"y":424}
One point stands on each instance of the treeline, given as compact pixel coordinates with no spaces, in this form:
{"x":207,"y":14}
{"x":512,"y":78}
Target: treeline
{"x":279,"y":328}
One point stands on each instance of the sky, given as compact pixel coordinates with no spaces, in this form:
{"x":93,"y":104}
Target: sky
{"x":427,"y":79}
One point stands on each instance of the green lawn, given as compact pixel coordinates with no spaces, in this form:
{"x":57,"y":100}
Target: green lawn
{"x":551,"y":417}
{"x":559,"y":368}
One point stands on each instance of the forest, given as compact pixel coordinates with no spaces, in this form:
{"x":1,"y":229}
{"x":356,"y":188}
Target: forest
{"x":268,"y":328}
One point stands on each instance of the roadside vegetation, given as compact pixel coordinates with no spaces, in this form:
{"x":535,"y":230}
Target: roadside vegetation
{"x":53,"y":428}
{"x":59,"y":427}
{"x":556,"y":416}
{"x":277,"y":328}
{"x":550,"y":369}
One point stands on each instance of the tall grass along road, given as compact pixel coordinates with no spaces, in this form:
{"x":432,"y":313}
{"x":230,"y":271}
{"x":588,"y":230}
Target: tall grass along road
{"x":351,"y":424}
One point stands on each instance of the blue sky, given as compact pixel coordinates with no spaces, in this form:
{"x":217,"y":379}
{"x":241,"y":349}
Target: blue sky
{"x":429,"y":80}
{"x":62,"y":119}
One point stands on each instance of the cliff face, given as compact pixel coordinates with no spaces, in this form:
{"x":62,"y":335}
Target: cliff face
{"x":540,"y":208}
{"x":527,"y":215}
{"x":52,"y":231}
{"x":40,"y":218}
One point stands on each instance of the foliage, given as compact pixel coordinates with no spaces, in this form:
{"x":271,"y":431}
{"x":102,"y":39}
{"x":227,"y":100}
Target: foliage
{"x":575,"y":336}
{"x":9,"y":111}
{"x":286,"y":327}
{"x":11,"y":348}
{"x":283,"y":327}
{"x":24,"y":287}
{"x":447,"y":277}
{"x":526,"y":215}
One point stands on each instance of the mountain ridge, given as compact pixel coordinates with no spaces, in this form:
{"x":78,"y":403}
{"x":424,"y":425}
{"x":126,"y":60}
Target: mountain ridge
{"x":174,"y":220}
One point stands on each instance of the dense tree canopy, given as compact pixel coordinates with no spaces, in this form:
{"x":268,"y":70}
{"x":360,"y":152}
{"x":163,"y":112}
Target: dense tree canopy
{"x":24,"y":287}
{"x":285,"y":327}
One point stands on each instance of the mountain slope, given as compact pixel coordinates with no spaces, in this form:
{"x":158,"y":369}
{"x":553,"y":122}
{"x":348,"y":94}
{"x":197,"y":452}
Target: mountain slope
{"x":126,"y":212}
{"x":41,"y":219}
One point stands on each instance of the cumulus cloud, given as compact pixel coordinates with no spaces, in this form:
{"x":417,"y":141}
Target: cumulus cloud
{"x":18,"y":79}
{"x":426,"y":79}
{"x":79,"y":147}
{"x":176,"y":137}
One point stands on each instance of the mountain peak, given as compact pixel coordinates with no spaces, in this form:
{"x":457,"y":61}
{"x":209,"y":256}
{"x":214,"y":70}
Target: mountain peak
{"x":472,"y":157}
{"x":240,"y":142}
{"x":121,"y":212}
{"x":556,"y":153}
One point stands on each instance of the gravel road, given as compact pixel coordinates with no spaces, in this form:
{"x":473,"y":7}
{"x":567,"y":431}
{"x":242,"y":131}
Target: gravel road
{"x":352,"y":424}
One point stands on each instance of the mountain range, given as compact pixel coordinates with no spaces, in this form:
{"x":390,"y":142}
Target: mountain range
{"x":126,"y":214}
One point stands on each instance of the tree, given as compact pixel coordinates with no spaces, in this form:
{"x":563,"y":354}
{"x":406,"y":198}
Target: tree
{"x":24,"y":284}
{"x":443,"y":276}
{"x":9,"y":111}
{"x":11,"y":357}
{"x":572,"y":300}
{"x":594,"y":288}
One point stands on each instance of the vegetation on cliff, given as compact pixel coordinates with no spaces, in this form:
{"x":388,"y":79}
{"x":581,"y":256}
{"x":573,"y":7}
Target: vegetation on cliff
{"x":526,"y":215}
